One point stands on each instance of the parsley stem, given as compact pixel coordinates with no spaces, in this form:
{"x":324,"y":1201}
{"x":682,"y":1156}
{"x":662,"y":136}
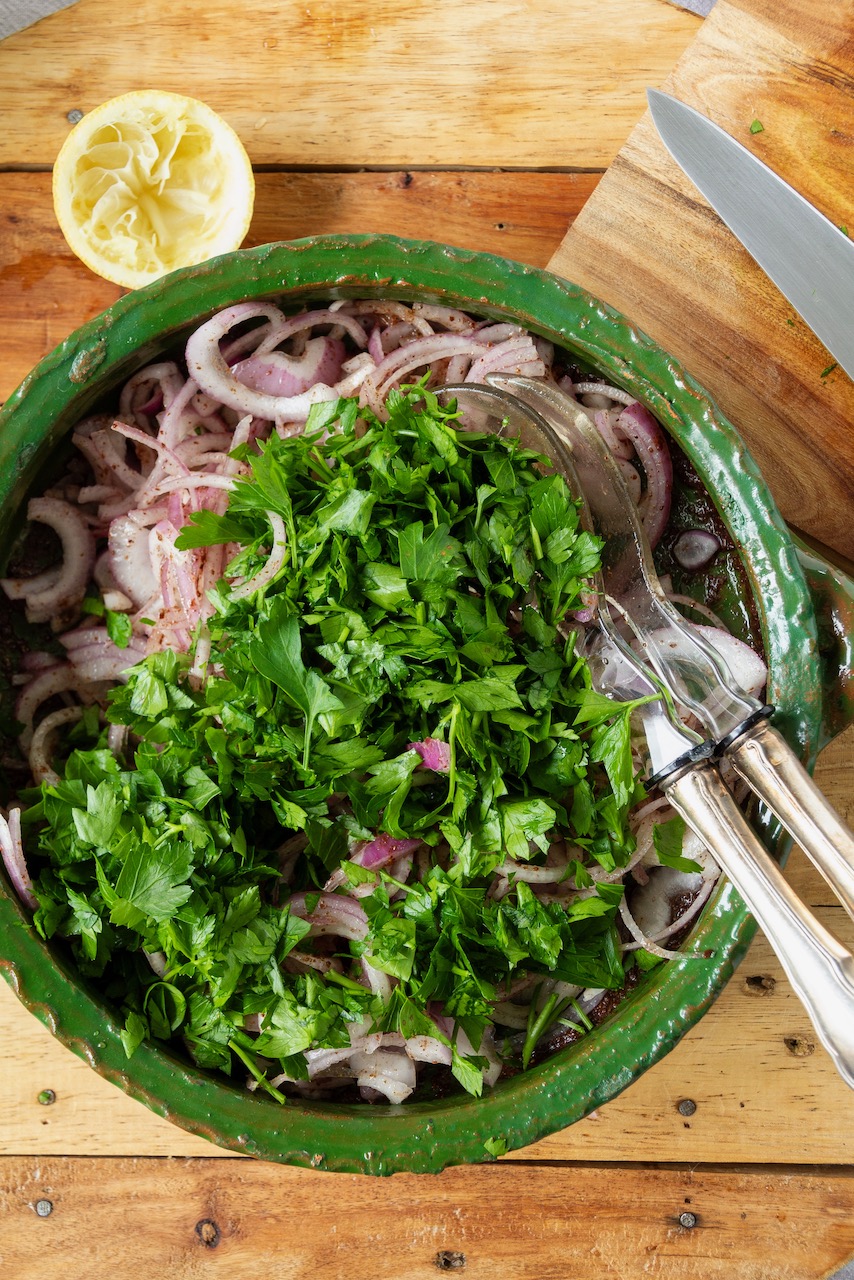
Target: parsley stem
{"x":537,"y":1023}
{"x":256,"y":1072}
{"x":582,"y":1016}
{"x":348,"y":983}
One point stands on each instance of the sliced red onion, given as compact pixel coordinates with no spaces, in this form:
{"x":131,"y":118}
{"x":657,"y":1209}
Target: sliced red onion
{"x":355,"y":372}
{"x":208,"y":368}
{"x":602,"y":389}
{"x":110,"y":467}
{"x":419,"y":354}
{"x":515,"y":355}
{"x":590,"y":998}
{"x":268,"y":571}
{"x":37,"y":660}
{"x":386,"y":1072}
{"x":703,"y":893}
{"x":164,"y":452}
{"x":302,"y":961}
{"x":385,"y":308}
{"x":78,"y":559}
{"x":46,"y":684}
{"x":695,"y":548}
{"x":334,"y":914}
{"x":641,"y":938}
{"x":745,"y":666}
{"x":651,"y":447}
{"x":695,"y":606}
{"x":95,"y":657}
{"x":149,"y":388}
{"x":12,"y":850}
{"x":117,"y":736}
{"x":116,"y":601}
{"x":157,"y":961}
{"x":279,"y":333}
{"x":93,"y":668}
{"x":99,"y":493}
{"x":447,"y":316}
{"x":486,"y":1049}
{"x":428,"y":1049}
{"x":130,"y":559}
{"x":380,"y":983}
{"x":382,"y":850}
{"x":278,"y":374}
{"x":531,"y":874}
{"x":651,"y":903}
{"x":41,"y":745}
{"x":435,"y":754}
{"x":618,"y":443}
{"x":21,"y":588}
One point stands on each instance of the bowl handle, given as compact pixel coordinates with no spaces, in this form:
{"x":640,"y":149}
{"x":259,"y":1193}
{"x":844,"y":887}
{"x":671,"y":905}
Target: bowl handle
{"x":832,"y":592}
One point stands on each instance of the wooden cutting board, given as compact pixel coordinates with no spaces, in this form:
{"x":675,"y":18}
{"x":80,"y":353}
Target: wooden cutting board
{"x":648,"y":243}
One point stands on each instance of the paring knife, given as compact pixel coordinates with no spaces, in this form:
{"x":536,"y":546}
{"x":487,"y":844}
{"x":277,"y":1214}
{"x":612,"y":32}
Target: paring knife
{"x":810,"y":260}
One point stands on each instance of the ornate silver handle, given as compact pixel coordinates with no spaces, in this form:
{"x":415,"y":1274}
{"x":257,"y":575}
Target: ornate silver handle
{"x":767,"y":763}
{"x":817,"y":965}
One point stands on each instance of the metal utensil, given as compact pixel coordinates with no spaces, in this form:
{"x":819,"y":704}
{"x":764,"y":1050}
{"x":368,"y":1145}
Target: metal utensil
{"x":818,"y":966}
{"x":810,"y":260}
{"x":688,"y":666}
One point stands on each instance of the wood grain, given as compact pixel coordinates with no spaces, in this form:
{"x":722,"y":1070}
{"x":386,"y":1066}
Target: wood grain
{"x":649,"y":244}
{"x":433,"y":82}
{"x":47,"y":292}
{"x":751,"y":1060}
{"x":188,"y":1218}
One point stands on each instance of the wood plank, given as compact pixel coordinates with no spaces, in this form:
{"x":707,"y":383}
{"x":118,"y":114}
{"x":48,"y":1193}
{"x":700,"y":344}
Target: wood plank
{"x":751,"y":1060}
{"x":378,"y":84}
{"x":46,"y":292}
{"x":649,"y":244}
{"x":186,"y":1218}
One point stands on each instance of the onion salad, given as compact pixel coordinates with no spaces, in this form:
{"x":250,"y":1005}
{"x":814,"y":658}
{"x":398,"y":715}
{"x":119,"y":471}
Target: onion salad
{"x":318,"y":787}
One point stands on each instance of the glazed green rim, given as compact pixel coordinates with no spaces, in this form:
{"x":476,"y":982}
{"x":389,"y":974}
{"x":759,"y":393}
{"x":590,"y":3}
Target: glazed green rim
{"x":419,"y":1137}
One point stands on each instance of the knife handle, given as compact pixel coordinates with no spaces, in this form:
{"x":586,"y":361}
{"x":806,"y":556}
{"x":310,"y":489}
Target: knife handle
{"x":766,"y":762}
{"x":819,"y":968}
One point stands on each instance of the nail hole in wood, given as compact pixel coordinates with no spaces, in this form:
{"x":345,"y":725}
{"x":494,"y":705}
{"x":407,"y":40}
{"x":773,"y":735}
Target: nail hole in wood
{"x":208,"y":1233}
{"x":759,"y":984}
{"x":450,"y":1260}
{"x":798,"y":1047}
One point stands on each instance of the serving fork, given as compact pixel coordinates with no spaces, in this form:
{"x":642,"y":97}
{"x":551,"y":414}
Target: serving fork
{"x":678,"y":668}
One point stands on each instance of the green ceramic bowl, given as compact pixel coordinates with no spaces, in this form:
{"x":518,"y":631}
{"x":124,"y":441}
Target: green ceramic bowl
{"x":781,"y":588}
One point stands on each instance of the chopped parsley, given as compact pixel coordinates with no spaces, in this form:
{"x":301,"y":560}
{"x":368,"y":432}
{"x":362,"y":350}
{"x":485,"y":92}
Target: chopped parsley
{"x":427,"y":575}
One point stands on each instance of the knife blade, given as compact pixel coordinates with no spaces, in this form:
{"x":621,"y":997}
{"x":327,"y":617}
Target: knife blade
{"x":810,"y":260}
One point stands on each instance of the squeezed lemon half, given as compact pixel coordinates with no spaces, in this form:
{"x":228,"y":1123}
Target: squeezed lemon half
{"x":151,"y":181}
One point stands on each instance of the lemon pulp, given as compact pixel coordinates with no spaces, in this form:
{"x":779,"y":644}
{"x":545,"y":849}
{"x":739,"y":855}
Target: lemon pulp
{"x":149,"y":182}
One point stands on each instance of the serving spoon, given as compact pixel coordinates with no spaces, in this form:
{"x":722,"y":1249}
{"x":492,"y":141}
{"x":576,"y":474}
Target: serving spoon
{"x":692,"y":669}
{"x":683,"y":765}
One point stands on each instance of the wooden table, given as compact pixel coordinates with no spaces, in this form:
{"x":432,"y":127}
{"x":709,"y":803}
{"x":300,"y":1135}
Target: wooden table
{"x":486,"y":124}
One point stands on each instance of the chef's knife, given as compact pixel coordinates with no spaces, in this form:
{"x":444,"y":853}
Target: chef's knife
{"x":810,"y":260}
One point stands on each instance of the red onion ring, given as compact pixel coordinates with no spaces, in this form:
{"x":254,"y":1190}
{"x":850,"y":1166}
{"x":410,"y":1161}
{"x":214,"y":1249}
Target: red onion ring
{"x":651,"y":447}
{"x":12,"y":850}
{"x":78,"y":558}
{"x":274,"y":563}
{"x":208,"y":368}
{"x":695,"y":548}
